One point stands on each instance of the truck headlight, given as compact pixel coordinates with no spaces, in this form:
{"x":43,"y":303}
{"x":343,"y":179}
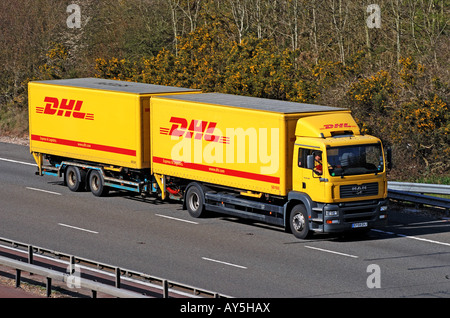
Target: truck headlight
{"x":383,"y":208}
{"x":331,"y":213}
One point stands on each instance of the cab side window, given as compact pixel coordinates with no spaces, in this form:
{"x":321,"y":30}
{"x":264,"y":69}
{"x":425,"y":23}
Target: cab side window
{"x":302,"y":156}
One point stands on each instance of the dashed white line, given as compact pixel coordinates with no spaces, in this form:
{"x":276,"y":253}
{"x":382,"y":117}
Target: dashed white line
{"x":413,"y":237}
{"x":45,"y":191}
{"x":333,"y":252}
{"x":225,"y":263}
{"x":19,"y":162}
{"x":176,"y":219}
{"x":423,"y":239}
{"x":77,"y":228}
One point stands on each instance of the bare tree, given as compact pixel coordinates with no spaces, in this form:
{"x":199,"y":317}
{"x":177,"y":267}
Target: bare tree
{"x":434,"y":23}
{"x":396,"y":9}
{"x":190,"y":9}
{"x":339,"y":11}
{"x":239,"y":10}
{"x":314,"y":29}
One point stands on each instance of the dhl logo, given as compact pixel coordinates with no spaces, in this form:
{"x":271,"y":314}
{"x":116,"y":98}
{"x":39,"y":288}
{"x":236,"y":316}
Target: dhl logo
{"x":196,"y":129}
{"x":65,"y":108}
{"x":335,"y":126}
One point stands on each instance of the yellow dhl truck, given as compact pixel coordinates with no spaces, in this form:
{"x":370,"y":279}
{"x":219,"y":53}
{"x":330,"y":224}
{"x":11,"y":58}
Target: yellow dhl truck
{"x":304,"y":167}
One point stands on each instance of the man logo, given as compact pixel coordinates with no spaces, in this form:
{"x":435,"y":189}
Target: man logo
{"x":359,"y":189}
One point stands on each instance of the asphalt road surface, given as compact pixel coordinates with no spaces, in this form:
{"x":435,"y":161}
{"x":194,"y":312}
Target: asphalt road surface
{"x":408,"y":258}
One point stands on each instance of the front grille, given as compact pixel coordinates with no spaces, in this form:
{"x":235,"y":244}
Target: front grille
{"x":356,"y":215}
{"x":358,"y":190}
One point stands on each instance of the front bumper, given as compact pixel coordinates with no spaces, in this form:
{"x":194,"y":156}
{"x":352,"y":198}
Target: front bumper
{"x":354,"y":215}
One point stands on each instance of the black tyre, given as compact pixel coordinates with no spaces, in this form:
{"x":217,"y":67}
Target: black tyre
{"x":75,"y":178}
{"x":195,"y":201}
{"x":299,"y":223}
{"x":97,"y":185}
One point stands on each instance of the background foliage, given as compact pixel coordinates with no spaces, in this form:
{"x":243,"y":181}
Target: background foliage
{"x":394,"y":78}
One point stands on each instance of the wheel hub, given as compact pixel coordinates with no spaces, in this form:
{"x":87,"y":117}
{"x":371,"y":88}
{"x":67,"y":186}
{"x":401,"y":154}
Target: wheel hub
{"x":194,"y":202}
{"x":298,"y":222}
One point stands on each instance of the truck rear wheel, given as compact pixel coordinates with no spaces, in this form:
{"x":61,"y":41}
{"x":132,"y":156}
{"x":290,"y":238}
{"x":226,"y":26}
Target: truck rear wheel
{"x":194,"y":201}
{"x":97,"y":185}
{"x":75,"y":178}
{"x":298,"y":221}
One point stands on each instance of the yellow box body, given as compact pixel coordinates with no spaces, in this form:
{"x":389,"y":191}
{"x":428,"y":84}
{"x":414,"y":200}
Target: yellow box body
{"x":240,"y":142}
{"x":94,"y":120}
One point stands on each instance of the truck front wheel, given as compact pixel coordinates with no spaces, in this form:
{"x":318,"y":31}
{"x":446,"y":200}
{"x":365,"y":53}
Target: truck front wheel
{"x":194,"y":201}
{"x":299,"y":222}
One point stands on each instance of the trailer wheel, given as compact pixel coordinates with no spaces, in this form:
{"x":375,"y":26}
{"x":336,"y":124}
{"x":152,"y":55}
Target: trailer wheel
{"x":75,"y":178}
{"x":298,"y":221}
{"x":96,"y":184}
{"x":194,"y":201}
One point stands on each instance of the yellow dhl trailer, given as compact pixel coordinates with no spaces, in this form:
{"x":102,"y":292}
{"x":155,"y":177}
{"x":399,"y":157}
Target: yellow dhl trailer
{"x":105,"y":123}
{"x":304,"y":167}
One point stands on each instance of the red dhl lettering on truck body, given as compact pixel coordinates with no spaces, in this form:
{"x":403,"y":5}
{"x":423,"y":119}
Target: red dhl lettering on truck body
{"x":196,"y":129}
{"x":64,"y":108}
{"x":339,"y":125}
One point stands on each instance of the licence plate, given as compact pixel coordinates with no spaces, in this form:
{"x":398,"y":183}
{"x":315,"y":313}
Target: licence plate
{"x":358,"y":225}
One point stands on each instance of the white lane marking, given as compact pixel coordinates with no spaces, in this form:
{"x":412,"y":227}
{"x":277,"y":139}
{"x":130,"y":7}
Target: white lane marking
{"x":413,"y":237}
{"x":176,"y":219}
{"x":221,"y":262}
{"x":333,"y":252}
{"x":20,"y":162}
{"x":424,"y":240}
{"x":45,"y":191}
{"x":77,"y":228}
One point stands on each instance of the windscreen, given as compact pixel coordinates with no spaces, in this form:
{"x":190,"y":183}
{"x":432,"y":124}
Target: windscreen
{"x":356,"y":159}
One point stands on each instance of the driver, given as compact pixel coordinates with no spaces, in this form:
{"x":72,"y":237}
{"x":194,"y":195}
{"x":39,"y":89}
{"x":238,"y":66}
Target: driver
{"x":318,"y":163}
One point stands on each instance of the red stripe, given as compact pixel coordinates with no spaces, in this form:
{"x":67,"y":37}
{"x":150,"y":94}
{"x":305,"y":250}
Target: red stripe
{"x":84,"y":145}
{"x":228,"y":172}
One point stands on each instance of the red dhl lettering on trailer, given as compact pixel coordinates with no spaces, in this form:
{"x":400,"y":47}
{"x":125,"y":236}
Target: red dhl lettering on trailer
{"x":64,"y":108}
{"x":339,"y":125}
{"x":196,"y":129}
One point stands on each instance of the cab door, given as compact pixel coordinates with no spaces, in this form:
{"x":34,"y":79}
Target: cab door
{"x":307,"y":179}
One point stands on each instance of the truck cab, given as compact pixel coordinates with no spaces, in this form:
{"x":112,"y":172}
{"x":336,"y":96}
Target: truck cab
{"x":339,"y":177}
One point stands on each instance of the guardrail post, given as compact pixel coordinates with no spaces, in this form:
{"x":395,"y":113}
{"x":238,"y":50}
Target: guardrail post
{"x":30,"y":254}
{"x":165,"y":284}
{"x":18,"y":272}
{"x":49,"y":287}
{"x":72,"y":265}
{"x":117,"y":277}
